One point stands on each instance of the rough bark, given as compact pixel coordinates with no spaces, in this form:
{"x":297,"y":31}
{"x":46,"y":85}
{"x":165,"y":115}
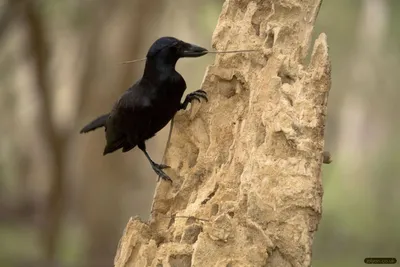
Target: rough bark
{"x":247,"y":165}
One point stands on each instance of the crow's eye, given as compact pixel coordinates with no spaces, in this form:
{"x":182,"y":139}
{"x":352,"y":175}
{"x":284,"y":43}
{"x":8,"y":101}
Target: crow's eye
{"x":174,"y":49}
{"x":178,"y":48}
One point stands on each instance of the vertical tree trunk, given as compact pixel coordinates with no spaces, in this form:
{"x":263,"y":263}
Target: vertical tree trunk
{"x":247,"y":165}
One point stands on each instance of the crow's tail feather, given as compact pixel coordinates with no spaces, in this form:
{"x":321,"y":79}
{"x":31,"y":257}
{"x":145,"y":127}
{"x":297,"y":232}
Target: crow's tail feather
{"x":97,"y":123}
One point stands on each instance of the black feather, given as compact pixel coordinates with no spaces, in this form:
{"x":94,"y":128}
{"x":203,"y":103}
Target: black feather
{"x":97,"y":123}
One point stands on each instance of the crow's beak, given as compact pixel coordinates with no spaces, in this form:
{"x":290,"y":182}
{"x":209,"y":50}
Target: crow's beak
{"x":194,"y":51}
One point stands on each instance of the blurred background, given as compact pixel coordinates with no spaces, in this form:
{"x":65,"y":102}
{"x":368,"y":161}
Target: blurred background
{"x":63,"y":204}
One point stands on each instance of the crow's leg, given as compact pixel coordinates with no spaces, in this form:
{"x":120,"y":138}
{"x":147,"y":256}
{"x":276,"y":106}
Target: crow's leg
{"x":196,"y":95}
{"x":158,"y":168}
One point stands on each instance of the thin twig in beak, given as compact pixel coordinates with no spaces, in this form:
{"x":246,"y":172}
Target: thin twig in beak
{"x":208,"y":52}
{"x":232,"y":51}
{"x":133,"y":61}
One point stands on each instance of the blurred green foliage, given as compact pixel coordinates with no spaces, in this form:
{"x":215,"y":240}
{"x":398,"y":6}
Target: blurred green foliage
{"x":360,"y":208}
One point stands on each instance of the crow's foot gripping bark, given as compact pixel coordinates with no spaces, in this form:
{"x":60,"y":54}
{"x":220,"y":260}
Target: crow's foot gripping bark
{"x":196,"y":95}
{"x":158,"y":168}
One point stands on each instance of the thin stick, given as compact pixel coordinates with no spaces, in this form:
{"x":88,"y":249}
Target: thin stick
{"x":185,"y":217}
{"x":232,"y":51}
{"x":133,"y":61}
{"x":208,"y":52}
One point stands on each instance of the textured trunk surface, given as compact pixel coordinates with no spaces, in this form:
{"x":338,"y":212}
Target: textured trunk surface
{"x":246,"y":165}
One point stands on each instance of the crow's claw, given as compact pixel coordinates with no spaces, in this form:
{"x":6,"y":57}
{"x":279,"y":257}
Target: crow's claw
{"x":196,"y":95}
{"x":161,"y":174}
{"x":199,"y":93}
{"x":162,"y":166}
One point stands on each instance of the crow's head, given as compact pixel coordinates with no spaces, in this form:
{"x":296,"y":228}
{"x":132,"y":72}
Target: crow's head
{"x":171,"y":49}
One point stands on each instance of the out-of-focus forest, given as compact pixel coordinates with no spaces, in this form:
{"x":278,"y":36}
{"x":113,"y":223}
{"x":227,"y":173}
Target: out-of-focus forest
{"x":63,"y":204}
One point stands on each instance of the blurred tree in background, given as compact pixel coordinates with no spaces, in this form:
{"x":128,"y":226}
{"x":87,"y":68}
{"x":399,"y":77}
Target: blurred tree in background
{"x":62,"y":202}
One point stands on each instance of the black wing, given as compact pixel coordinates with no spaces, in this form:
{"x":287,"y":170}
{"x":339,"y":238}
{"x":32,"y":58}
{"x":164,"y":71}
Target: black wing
{"x":128,"y":121}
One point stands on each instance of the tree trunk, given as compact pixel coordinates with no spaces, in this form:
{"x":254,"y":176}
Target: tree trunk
{"x":246,"y":166}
